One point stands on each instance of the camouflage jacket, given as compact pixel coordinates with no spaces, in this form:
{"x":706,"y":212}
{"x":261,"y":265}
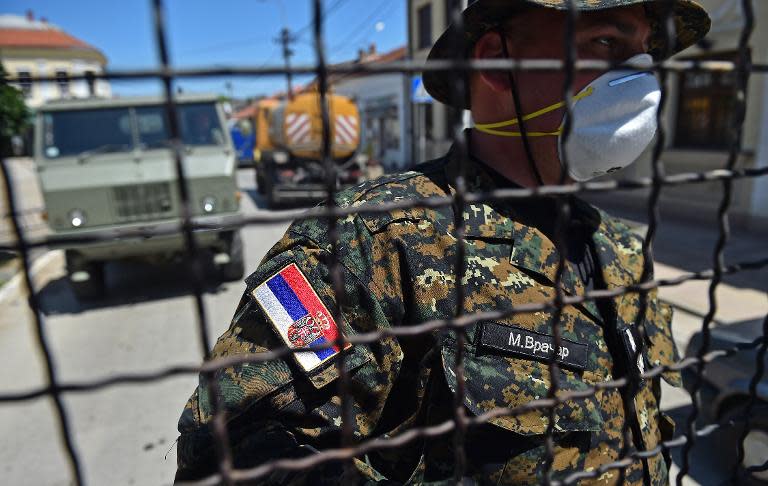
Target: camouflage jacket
{"x":398,"y":269}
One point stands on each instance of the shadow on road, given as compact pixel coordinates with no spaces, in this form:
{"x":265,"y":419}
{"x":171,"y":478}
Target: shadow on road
{"x":127,"y":283}
{"x":711,"y":459}
{"x":690,"y":245}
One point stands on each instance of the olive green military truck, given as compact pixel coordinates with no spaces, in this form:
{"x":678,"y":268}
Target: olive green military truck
{"x":106,"y":165}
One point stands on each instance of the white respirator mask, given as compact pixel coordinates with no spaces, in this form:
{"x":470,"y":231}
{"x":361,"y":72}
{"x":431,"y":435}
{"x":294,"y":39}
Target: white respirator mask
{"x":613,"y":121}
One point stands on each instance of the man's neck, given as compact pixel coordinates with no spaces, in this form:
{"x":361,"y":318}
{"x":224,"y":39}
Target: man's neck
{"x":507,"y":156}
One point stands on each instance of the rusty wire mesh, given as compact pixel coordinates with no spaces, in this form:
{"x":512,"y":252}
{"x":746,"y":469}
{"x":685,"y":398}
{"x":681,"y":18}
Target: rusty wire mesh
{"x":460,"y":422}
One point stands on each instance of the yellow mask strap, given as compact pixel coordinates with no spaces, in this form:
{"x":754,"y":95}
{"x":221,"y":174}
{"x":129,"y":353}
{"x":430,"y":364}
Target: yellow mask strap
{"x":490,"y":128}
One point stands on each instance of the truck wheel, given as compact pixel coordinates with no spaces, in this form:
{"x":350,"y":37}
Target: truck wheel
{"x":270,"y":197}
{"x":260,"y":182}
{"x":268,"y":176}
{"x":265,"y":159}
{"x":86,"y":278}
{"x":235,"y":268}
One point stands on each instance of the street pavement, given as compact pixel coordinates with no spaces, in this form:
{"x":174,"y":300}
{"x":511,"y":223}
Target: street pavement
{"x":29,"y":208}
{"x":125,"y":434}
{"x":683,"y":247}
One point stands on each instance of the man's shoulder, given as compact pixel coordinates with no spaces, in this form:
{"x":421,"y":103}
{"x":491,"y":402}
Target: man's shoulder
{"x":629,"y":234}
{"x":422,"y":181}
{"x":366,"y":206}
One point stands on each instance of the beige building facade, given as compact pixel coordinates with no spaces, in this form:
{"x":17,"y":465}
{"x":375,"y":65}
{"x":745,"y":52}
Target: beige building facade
{"x":433,"y":122}
{"x":32,"y":48}
{"x":698,"y":118}
{"x":698,"y":113}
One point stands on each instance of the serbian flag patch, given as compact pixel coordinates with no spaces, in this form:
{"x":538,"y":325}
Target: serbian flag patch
{"x":299,"y":316}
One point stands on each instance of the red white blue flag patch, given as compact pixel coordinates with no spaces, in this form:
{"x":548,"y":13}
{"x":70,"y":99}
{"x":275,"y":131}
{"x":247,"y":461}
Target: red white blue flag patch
{"x":298,"y":314}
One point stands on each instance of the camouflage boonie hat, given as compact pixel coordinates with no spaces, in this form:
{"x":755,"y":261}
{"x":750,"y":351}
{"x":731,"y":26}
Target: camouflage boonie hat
{"x":691,"y":25}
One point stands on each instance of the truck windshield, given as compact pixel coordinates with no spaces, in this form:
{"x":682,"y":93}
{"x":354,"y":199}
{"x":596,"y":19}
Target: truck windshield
{"x":199,"y":125}
{"x":97,"y":131}
{"x":68,"y":133}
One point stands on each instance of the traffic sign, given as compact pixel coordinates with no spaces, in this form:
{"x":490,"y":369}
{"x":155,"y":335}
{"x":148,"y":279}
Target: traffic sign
{"x":419,"y":92}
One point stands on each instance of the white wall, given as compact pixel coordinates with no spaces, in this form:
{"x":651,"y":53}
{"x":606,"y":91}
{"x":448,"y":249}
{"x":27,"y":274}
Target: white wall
{"x":441,"y":139}
{"x":42,"y":92}
{"x":759,"y":206}
{"x":760,"y":185}
{"x":369,"y":89}
{"x":749,"y":206}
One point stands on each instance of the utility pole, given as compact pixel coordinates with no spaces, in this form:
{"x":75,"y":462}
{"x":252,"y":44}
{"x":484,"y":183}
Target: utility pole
{"x":286,"y":39}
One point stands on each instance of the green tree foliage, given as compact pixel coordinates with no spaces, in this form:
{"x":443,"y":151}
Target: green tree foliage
{"x":14,"y":116}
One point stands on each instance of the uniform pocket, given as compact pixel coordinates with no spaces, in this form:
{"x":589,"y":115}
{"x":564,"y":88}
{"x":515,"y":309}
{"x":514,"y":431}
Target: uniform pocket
{"x":496,"y":381}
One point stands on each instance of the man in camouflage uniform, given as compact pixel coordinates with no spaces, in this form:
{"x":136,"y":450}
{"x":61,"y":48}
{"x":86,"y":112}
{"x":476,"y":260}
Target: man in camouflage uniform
{"x":398,"y":271}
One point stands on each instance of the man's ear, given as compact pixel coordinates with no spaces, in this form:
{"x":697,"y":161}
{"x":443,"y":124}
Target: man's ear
{"x":489,"y":47}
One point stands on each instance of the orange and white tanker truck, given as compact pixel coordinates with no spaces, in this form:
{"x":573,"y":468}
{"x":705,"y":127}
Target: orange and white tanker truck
{"x":289,"y":147}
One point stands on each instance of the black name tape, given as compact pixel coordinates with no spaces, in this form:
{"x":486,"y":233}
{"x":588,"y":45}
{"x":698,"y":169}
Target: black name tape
{"x":532,"y":344}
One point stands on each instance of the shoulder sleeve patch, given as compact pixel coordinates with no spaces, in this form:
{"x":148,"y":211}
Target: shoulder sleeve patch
{"x":299,"y":316}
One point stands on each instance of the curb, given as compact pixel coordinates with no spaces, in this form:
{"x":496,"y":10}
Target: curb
{"x":16,"y":283}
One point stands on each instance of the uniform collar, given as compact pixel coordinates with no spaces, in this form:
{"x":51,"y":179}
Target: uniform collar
{"x":532,"y":248}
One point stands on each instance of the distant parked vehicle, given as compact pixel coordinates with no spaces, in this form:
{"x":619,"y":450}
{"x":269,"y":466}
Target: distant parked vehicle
{"x":244,"y":141}
{"x":106,"y":165}
{"x":725,"y":391}
{"x":289,"y":155}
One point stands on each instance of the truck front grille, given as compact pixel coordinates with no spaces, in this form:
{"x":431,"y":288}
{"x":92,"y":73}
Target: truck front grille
{"x":142,"y":202}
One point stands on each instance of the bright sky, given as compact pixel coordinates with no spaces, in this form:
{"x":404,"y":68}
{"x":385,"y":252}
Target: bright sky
{"x":226,"y":32}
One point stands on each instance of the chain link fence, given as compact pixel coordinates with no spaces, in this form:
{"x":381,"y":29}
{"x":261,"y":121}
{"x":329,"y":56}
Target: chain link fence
{"x":458,"y":425}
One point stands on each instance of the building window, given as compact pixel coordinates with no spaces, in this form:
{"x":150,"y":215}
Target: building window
{"x":62,"y":81}
{"x":24,"y":78}
{"x":391,"y":131}
{"x":90,"y":81}
{"x":382,"y":128}
{"x":424,"y":35}
{"x":706,"y":109}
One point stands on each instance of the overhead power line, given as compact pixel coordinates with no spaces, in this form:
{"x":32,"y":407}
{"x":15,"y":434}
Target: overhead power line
{"x":363,"y":27}
{"x":285,"y":40}
{"x":330,"y":10}
{"x":251,"y":40}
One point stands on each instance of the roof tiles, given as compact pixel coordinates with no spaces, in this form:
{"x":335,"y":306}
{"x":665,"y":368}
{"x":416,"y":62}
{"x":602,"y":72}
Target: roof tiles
{"x":41,"y":39}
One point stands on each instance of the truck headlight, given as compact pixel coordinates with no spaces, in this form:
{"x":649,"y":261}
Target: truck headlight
{"x":209,"y":204}
{"x":280,"y":157}
{"x":76,"y":218}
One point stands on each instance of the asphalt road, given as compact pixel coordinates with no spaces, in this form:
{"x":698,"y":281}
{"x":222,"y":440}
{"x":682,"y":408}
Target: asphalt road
{"x":125,"y":434}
